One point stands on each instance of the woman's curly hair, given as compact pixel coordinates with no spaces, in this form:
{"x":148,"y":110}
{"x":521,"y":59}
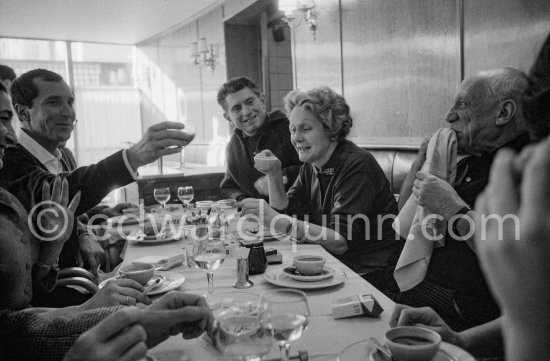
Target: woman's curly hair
{"x":331,"y":109}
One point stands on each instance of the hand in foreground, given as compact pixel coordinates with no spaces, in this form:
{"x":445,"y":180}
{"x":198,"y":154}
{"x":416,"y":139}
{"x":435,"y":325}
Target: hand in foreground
{"x":118,"y":337}
{"x":258,"y":208}
{"x":516,"y":263}
{"x":174,"y":313}
{"x":91,"y":254}
{"x":426,"y":317}
{"x":436,"y":195}
{"x":267,"y":167}
{"x":57,"y":218}
{"x":118,"y":292}
{"x":160,"y":139}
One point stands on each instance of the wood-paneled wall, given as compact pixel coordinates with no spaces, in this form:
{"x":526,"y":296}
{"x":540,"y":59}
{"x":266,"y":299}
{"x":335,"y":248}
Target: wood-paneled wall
{"x":398,"y":62}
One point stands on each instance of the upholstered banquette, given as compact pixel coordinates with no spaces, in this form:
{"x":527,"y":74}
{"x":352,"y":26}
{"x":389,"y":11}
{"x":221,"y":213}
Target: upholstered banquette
{"x":395,"y":162}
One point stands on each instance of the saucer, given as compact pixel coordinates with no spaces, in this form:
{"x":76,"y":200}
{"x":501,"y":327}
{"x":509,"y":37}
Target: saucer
{"x":293,"y":273}
{"x":279,"y":277}
{"x":363,"y":350}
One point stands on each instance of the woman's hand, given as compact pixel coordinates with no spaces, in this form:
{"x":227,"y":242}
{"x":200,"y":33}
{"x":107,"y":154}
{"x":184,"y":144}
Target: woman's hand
{"x":174,"y":313}
{"x":55,"y":219}
{"x":267,"y":163}
{"x":118,"y":292}
{"x":118,"y":337}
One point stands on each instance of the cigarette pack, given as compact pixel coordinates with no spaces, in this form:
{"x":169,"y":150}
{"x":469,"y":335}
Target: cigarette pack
{"x":356,"y":305}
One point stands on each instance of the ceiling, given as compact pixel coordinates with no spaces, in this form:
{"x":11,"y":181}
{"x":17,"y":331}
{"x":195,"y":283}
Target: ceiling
{"x":102,"y":21}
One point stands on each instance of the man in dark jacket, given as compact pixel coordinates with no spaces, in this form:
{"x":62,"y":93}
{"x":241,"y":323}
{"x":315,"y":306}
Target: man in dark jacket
{"x":255,"y":130}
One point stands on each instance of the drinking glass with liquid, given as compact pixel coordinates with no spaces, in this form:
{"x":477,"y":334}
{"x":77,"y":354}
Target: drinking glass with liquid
{"x":286,"y":316}
{"x":208,"y":254}
{"x":162,"y":196}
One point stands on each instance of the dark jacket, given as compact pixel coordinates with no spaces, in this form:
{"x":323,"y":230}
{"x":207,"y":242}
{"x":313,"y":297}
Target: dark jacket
{"x":240,"y":176}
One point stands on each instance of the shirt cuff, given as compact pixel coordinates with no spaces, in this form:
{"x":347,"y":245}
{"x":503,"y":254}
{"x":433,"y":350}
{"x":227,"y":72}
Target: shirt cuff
{"x":127,"y":163}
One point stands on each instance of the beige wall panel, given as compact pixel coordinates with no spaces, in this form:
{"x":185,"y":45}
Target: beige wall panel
{"x":216,"y":128}
{"x":318,"y":62}
{"x":401,"y":67}
{"x":499,"y":33}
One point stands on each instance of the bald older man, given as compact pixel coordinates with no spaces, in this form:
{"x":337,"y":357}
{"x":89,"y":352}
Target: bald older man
{"x":486,"y":116}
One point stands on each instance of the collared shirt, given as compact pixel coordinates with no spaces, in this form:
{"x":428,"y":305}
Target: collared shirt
{"x":52,"y":162}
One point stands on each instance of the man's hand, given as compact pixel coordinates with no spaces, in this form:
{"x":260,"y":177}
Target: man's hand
{"x":436,"y":195}
{"x":56,"y":219}
{"x":125,"y":292}
{"x":426,"y":317}
{"x":159,"y":140}
{"x":174,"y":313}
{"x":262,"y":186}
{"x":91,"y":253}
{"x":118,"y":337}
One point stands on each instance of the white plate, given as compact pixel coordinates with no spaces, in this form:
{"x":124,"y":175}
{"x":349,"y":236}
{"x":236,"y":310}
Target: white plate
{"x":170,"y":283}
{"x":326,"y":273}
{"x":279,"y":277}
{"x":363,"y":350}
{"x":151,"y":239}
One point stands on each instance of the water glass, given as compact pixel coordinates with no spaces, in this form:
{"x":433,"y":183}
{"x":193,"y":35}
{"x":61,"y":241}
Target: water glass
{"x":286,"y":316}
{"x":240,"y":332}
{"x":208,"y":253}
{"x":185,"y":195}
{"x":162,"y":196}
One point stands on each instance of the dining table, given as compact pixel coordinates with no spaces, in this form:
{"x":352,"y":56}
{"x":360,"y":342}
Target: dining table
{"x":325,"y":336}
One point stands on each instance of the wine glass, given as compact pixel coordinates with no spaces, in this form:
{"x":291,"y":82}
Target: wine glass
{"x":287,"y":316}
{"x":185,"y":195}
{"x":190,"y":131}
{"x":240,"y":331}
{"x":208,"y":253}
{"x":162,"y":196}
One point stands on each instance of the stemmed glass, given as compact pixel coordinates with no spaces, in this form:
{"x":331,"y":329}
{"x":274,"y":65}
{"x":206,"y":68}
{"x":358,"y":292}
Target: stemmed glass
{"x":190,"y":131}
{"x":185,"y":195}
{"x":287,"y":316}
{"x":208,"y":253}
{"x":162,"y":195}
{"x":240,"y":331}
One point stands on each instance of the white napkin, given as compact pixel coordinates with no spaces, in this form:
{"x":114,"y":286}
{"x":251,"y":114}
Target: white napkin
{"x":441,"y":161}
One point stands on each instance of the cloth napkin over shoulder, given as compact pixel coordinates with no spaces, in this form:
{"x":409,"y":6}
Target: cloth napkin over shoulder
{"x":413,"y":222}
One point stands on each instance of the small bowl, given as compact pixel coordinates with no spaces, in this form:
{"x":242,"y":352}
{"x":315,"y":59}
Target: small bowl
{"x":141,"y":273}
{"x":265,"y":162}
{"x":309,"y":265}
{"x":412,"y":343}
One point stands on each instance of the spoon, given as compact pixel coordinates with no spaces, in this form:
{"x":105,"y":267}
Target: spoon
{"x":380,"y":347}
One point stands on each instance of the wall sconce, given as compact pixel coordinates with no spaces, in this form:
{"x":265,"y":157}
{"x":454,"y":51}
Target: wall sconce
{"x":307,"y":7}
{"x":202,"y":54}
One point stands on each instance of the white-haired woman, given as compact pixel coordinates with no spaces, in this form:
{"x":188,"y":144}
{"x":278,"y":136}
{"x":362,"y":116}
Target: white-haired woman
{"x":340,"y":194}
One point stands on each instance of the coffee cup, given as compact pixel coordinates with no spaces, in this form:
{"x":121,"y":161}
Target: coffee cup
{"x":309,"y":265}
{"x":139,"y":272}
{"x":412,"y":343}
